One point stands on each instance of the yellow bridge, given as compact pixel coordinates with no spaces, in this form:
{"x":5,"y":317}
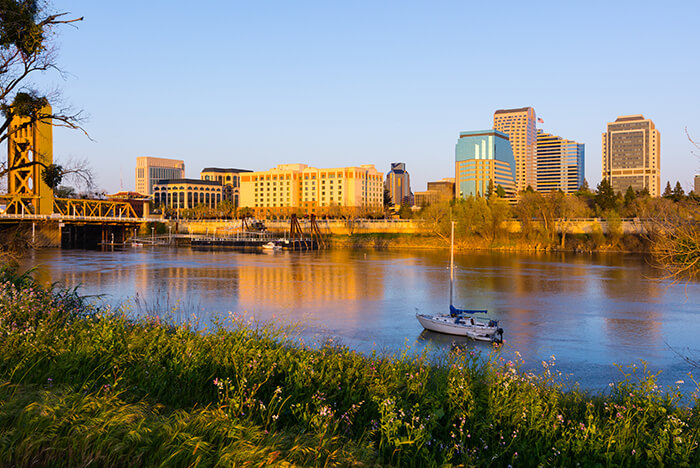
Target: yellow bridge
{"x":18,"y":208}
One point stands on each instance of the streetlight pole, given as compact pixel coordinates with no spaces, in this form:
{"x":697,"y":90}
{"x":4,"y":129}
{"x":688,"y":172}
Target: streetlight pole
{"x":153,"y":234}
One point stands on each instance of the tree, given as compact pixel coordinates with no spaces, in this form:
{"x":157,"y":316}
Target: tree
{"x":630,"y":195}
{"x":605,"y":196}
{"x":490,"y":190}
{"x":584,"y":188}
{"x":27,"y":47}
{"x":668,"y":193}
{"x":678,"y":192}
{"x":500,"y":191}
{"x":387,"y":198}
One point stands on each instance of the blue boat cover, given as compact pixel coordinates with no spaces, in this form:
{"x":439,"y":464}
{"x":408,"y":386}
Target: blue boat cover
{"x":456,"y":311}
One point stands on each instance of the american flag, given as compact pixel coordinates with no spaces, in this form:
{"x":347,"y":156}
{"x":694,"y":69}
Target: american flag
{"x":539,"y":120}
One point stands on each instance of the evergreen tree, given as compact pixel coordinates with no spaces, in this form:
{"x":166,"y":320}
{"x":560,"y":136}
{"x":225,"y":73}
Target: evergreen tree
{"x":500,"y":191}
{"x":668,"y":193}
{"x":605,"y":196}
{"x":630,"y":195}
{"x":678,"y":192}
{"x":490,"y":190}
{"x":387,"y":198}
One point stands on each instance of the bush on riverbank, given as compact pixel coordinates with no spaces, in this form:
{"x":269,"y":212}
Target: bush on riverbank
{"x":80,"y":384}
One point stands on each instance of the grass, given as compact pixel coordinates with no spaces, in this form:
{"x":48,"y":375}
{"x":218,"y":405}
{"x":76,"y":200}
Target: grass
{"x":85,"y":386}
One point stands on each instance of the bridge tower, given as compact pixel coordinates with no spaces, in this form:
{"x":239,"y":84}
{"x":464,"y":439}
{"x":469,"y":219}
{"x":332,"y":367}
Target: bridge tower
{"x":27,"y":145}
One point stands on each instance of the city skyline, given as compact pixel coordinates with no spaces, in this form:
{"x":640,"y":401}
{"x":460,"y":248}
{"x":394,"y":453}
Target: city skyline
{"x":332,"y":85}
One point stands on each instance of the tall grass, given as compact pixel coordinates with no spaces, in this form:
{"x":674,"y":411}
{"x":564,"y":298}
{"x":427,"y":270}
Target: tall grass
{"x":81,"y":385}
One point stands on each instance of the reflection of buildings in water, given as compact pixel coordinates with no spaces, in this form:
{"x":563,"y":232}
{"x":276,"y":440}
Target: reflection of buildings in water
{"x":298,"y":281}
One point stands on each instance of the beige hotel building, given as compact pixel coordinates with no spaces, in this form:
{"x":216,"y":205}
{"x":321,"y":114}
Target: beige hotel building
{"x":631,"y":151}
{"x":299,"y":189}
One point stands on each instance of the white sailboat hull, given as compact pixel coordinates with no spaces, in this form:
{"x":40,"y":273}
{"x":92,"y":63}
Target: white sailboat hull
{"x":460,"y":326}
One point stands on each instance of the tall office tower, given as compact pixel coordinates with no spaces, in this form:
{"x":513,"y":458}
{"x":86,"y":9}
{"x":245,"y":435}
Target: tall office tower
{"x":696,"y":189}
{"x":398,"y":182}
{"x":481,"y":156}
{"x":521,"y":127}
{"x":559,"y":163}
{"x":150,"y":170}
{"x":631,"y":153}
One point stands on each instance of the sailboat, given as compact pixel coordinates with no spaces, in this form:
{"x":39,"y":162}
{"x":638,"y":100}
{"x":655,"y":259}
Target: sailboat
{"x":461,"y":321}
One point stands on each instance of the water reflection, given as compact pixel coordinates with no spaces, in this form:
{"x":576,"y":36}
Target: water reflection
{"x":588,"y":310}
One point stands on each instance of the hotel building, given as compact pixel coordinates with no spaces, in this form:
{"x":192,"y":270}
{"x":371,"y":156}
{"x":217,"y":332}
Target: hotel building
{"x":482,"y":156}
{"x":398,"y":183}
{"x":520,"y":125}
{"x":631,"y":153}
{"x":299,"y":189}
{"x":229,"y":178}
{"x":560,"y":163}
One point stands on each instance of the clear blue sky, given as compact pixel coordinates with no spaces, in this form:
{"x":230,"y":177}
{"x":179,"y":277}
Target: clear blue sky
{"x":254,"y":84}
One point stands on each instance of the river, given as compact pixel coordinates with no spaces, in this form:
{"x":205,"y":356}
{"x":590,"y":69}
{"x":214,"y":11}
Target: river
{"x":589,"y":311}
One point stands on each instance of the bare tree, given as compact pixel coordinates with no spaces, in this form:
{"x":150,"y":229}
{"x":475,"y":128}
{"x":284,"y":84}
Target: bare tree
{"x":27,"y":47}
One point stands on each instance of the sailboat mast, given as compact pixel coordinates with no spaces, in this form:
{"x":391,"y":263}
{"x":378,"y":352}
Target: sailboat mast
{"x":452,"y":260}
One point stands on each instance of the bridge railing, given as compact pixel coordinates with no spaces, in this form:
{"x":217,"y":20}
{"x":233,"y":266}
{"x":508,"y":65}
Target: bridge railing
{"x":93,"y":208}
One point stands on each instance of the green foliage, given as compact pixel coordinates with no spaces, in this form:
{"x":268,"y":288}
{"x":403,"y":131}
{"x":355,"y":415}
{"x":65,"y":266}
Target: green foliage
{"x":500,"y":191}
{"x":79,"y":383}
{"x":25,"y":104}
{"x":52,"y":175}
{"x":605,"y":196}
{"x":19,"y":26}
{"x":668,"y":193}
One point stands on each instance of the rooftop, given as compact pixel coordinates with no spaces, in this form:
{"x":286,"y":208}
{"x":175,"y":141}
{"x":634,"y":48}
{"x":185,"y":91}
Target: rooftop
{"x":222,"y":169}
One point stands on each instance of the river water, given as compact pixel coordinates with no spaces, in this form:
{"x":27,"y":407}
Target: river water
{"x":589,"y":311}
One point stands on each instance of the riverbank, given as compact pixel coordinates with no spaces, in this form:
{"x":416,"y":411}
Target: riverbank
{"x":573,"y":243}
{"x":79,"y":383}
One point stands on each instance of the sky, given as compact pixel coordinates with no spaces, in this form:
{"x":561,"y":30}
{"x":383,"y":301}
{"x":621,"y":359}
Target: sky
{"x":254,"y":84}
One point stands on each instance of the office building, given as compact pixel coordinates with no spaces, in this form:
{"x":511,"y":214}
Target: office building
{"x":229,"y":178}
{"x":187,"y":193}
{"x":302,"y":190}
{"x":631,"y":154}
{"x":696,"y":189}
{"x":150,"y":170}
{"x":481,"y":156}
{"x":520,"y":125}
{"x":398,"y":183}
{"x":437,"y":192}
{"x":559,"y":163}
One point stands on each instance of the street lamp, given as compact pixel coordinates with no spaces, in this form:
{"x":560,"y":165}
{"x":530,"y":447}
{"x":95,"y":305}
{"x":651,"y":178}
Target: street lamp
{"x":153,"y":234}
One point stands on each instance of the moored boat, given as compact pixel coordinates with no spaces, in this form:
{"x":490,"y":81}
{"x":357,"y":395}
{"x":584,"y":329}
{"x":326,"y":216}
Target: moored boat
{"x":461,"y":322}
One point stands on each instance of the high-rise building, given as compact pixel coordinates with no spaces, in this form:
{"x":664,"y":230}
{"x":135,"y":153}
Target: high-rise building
{"x":482,"y":156}
{"x":559,"y":162}
{"x":229,"y":178}
{"x":521,"y":127}
{"x":697,"y":184}
{"x":631,"y":154}
{"x":150,"y":170}
{"x":398,"y":183}
{"x":299,"y":189}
